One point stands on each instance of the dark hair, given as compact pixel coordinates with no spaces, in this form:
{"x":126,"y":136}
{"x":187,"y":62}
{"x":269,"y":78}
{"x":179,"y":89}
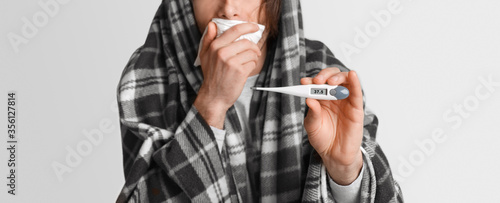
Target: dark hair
{"x":272,"y":9}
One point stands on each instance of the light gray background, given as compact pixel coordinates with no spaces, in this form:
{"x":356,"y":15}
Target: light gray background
{"x":426,"y":59}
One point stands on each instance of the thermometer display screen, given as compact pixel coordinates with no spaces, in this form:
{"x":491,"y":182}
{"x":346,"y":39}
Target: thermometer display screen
{"x":318,"y":91}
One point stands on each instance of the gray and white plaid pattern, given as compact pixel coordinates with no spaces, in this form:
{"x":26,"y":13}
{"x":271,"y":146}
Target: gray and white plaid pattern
{"x":170,"y":153}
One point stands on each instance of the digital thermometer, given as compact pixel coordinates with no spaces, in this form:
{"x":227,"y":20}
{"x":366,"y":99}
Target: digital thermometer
{"x":321,"y":92}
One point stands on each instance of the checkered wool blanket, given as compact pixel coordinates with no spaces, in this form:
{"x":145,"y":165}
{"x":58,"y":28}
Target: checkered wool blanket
{"x":170,"y":153}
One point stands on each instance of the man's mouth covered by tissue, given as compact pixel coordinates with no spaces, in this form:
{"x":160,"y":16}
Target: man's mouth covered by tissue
{"x":223,"y":25}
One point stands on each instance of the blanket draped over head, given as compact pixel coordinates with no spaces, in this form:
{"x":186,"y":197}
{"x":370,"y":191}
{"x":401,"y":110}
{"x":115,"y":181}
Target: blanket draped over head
{"x":170,"y":153}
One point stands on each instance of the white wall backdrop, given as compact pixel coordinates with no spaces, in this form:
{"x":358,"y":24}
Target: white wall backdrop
{"x":430,"y":71}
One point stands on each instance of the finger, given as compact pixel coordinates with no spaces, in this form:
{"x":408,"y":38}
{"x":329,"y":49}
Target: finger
{"x":338,"y":78}
{"x":312,"y":122}
{"x":209,"y":36}
{"x":248,"y":67}
{"x":238,"y":47}
{"x":324,"y":74}
{"x":355,"y":93}
{"x":245,"y":57}
{"x":306,"y":81}
{"x":236,"y":31}
{"x":242,"y":58}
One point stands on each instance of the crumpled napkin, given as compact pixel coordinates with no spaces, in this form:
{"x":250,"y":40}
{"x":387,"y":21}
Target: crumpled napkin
{"x":223,"y":25}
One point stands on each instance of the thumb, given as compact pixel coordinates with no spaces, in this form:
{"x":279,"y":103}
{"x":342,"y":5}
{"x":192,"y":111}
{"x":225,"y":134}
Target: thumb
{"x":312,"y":122}
{"x":210,"y":35}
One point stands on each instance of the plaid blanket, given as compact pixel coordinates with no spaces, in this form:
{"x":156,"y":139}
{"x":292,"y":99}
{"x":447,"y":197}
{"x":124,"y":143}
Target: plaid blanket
{"x":170,"y":153}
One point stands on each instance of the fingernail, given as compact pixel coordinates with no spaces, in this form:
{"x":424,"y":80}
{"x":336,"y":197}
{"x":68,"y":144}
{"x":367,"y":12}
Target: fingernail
{"x":319,"y":77}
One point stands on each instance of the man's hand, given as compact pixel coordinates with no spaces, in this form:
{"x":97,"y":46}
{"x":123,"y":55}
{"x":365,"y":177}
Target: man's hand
{"x":335,"y":128}
{"x":226,"y":65}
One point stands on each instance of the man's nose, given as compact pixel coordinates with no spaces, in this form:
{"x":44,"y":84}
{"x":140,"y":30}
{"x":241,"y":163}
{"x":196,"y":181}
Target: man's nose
{"x":229,"y":10}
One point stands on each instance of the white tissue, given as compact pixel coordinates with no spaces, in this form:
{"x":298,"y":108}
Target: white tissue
{"x":223,"y":25}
